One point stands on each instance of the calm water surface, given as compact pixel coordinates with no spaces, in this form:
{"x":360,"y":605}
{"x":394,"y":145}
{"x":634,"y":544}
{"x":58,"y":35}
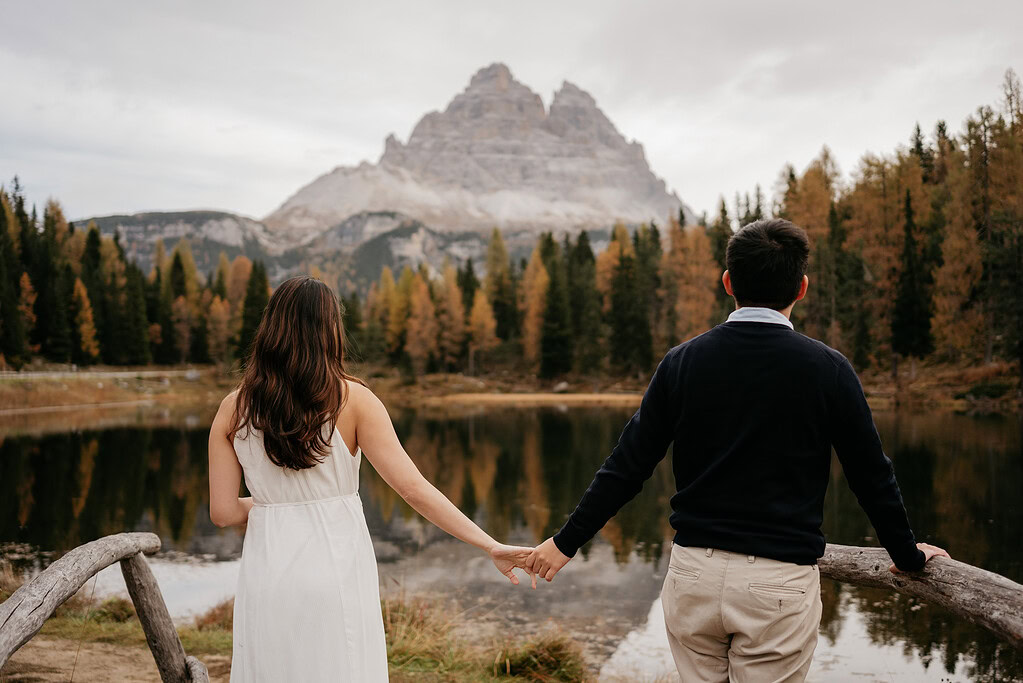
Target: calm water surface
{"x":518,"y":473}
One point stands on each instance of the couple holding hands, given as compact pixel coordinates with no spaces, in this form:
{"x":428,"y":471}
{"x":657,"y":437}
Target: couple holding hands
{"x":752,"y":407}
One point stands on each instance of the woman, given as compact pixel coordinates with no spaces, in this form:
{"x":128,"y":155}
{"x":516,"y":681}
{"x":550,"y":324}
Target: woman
{"x":307,"y":606}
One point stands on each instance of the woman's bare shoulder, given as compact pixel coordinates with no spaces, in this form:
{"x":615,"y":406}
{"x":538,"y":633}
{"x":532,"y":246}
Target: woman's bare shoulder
{"x":225,"y":415}
{"x":360,"y":396}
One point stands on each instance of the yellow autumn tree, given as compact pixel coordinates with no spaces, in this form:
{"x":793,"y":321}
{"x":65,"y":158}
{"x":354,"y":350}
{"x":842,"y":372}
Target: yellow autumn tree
{"x":689,"y":264}
{"x":421,"y":331}
{"x":87,"y":344}
{"x":181,"y":318}
{"x":875,"y":209}
{"x":808,"y":204}
{"x":957,"y":320}
{"x":26,"y":303}
{"x":533,"y":301}
{"x":450,"y":317}
{"x":497,"y":266}
{"x":482,"y":327}
{"x":55,"y":221}
{"x":218,"y":327}
{"x":237,"y":282}
{"x":398,"y":302}
{"x":10,"y":220}
{"x":113,"y":271}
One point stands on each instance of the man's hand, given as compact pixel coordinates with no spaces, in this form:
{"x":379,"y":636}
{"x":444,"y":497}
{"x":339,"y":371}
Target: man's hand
{"x":929,"y":552}
{"x":507,"y":557}
{"x":546,"y":560}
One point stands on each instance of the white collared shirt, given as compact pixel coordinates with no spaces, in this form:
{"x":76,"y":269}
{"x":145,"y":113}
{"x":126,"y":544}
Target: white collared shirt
{"x":757,"y":314}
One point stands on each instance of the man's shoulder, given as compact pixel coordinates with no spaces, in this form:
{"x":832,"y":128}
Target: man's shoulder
{"x":834,"y":356}
{"x":799,"y":342}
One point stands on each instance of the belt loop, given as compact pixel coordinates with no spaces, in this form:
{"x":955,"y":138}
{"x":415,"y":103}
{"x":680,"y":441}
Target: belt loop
{"x":710,"y":551}
{"x":750,"y":559}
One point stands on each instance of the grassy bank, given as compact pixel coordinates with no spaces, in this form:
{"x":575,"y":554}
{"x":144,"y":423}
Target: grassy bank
{"x":48,"y":389}
{"x":421,"y":641}
{"x":962,"y":387}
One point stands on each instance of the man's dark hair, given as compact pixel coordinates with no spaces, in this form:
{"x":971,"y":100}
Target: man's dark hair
{"x":766,"y":261}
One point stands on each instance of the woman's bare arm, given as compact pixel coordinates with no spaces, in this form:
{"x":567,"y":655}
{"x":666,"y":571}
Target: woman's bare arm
{"x":226,"y":508}
{"x":375,"y":435}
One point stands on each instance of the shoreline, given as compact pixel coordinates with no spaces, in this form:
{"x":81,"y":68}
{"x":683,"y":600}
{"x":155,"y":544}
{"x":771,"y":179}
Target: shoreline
{"x":968,"y":389}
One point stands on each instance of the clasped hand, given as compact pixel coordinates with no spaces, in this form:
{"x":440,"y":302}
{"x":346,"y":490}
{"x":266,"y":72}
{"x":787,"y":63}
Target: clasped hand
{"x":545,"y":560}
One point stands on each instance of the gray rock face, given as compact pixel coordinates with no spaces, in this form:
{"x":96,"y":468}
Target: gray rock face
{"x":494,"y":157}
{"x":209,"y":233}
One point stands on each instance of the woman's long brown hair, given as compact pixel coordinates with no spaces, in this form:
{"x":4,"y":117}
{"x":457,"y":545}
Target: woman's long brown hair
{"x":295,"y":380}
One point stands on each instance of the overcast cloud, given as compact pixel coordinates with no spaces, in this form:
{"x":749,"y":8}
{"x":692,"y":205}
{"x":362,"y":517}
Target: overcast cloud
{"x":124,"y":106}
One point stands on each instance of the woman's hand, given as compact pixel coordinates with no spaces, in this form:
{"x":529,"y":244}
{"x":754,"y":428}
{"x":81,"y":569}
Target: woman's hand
{"x":507,"y":557}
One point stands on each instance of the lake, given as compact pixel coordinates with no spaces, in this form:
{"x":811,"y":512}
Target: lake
{"x":518,"y":472}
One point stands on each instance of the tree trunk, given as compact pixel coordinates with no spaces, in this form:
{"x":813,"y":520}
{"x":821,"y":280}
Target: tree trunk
{"x":981,"y":597}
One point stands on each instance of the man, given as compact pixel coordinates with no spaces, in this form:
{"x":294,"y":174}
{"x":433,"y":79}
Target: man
{"x":753,"y":409}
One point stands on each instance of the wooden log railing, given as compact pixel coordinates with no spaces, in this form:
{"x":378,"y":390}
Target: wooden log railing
{"x":25,"y":611}
{"x":982,"y":597}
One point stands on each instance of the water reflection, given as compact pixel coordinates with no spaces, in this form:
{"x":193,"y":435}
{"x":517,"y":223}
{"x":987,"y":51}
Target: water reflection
{"x":519,"y":473}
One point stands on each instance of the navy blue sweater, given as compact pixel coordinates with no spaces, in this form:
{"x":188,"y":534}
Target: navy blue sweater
{"x":754,"y":410}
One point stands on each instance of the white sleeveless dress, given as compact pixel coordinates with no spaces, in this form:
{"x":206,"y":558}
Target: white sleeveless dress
{"x":307,"y":606}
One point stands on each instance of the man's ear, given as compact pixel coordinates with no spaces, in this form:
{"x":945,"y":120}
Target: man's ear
{"x":802,"y":288}
{"x":726,"y":280}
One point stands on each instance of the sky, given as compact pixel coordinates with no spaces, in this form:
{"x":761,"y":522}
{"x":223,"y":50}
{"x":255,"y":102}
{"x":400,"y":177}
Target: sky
{"x":124,"y":106}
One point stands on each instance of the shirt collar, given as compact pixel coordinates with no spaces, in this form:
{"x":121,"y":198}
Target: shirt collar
{"x":757,"y":314}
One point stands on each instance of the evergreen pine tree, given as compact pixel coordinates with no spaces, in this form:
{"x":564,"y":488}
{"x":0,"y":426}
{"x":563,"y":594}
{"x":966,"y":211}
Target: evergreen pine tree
{"x":351,"y":320}
{"x":924,"y":154}
{"x":584,"y":305}
{"x":12,"y":330}
{"x":92,"y":278}
{"x":556,"y":332}
{"x":468,"y":283}
{"x":911,"y":317}
{"x":256,"y":297}
{"x":178,"y":279}
{"x":60,"y":340}
{"x":166,"y":351}
{"x":136,"y":342}
{"x":720,"y":232}
{"x":499,"y":284}
{"x":630,"y":341}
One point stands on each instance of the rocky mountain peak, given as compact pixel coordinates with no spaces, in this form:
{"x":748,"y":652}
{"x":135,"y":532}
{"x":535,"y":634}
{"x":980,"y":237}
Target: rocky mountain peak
{"x":495,"y":156}
{"x":497,"y":76}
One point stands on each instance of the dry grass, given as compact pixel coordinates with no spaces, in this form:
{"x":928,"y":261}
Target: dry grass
{"x":219,"y":616}
{"x":421,"y":643}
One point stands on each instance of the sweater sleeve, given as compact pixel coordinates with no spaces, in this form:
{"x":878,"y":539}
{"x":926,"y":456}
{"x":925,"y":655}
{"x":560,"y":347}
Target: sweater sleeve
{"x":642,"y":445}
{"x":869,"y":471}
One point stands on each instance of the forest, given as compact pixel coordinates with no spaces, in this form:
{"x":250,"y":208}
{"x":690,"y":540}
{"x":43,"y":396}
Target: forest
{"x":917,"y":256}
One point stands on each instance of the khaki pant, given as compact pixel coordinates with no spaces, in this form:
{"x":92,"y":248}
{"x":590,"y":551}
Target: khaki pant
{"x":740,"y":618}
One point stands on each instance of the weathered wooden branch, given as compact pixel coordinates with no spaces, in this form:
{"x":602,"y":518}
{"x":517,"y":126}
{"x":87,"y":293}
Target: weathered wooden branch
{"x":23,"y":614}
{"x":982,"y":597}
{"x":161,"y":635}
{"x":25,"y":611}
